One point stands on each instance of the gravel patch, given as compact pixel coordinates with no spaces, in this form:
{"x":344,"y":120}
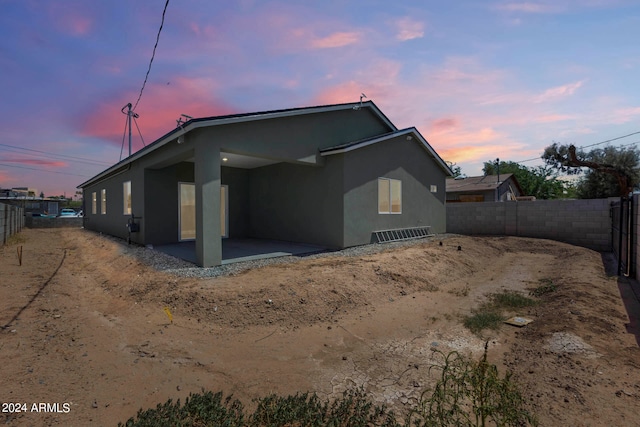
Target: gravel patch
{"x":178,"y":267}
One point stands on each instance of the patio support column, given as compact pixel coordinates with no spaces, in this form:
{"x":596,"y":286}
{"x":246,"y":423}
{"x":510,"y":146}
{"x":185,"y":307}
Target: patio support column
{"x":207,"y":179}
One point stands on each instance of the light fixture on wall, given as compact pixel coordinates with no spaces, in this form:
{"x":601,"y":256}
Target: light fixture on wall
{"x":409,"y":137}
{"x":181,"y":139}
{"x":224,"y":159}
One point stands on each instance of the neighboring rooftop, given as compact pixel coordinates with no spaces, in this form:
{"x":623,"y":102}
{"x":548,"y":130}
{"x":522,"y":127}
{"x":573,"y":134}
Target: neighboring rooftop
{"x":477,"y":183}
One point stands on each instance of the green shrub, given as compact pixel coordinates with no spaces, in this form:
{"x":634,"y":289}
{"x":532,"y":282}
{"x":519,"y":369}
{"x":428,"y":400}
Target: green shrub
{"x":206,"y":409}
{"x":467,"y":393}
{"x":470,"y":393}
{"x":546,"y":287}
{"x":511,"y":300}
{"x":490,"y":314}
{"x":481,"y":320}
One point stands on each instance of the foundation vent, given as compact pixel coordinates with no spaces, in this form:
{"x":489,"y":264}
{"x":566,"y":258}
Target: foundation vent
{"x":398,"y":234}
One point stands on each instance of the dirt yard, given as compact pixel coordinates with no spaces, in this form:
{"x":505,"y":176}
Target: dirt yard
{"x":84,"y":327}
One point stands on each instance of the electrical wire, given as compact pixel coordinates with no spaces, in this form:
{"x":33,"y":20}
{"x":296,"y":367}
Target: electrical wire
{"x":593,"y":145}
{"x":56,"y":156}
{"x":139,"y":133}
{"x":609,"y":140}
{"x":152,"y":56}
{"x":42,"y":170}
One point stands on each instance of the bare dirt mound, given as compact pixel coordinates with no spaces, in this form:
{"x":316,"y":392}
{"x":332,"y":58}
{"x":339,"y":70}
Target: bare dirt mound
{"x":94,"y":336}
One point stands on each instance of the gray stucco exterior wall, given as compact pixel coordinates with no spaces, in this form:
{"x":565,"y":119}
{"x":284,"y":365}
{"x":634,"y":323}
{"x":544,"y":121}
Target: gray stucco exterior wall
{"x":303,"y":196}
{"x":400,"y":159}
{"x":298,"y":203}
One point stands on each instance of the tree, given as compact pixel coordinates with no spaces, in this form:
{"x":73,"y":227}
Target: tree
{"x":541,"y":181}
{"x":457,"y":170}
{"x":611,"y":171}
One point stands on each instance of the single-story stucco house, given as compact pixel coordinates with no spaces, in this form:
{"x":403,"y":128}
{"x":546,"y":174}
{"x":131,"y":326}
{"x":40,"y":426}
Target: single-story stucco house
{"x":487,"y":188}
{"x":328,"y":175}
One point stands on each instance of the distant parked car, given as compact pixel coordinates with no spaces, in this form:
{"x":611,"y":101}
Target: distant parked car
{"x":69,"y":213}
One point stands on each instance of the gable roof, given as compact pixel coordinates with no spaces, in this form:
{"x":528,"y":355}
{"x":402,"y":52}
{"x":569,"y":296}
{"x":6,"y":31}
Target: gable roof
{"x":479,"y":183}
{"x":411,"y":133}
{"x":235,"y":118}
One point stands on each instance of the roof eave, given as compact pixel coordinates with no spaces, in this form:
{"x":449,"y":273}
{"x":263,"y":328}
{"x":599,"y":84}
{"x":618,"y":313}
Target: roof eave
{"x":213,"y":121}
{"x":409,"y":131}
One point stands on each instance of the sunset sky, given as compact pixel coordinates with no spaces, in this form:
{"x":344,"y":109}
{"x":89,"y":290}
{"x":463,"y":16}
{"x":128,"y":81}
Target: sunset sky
{"x":479,"y":79}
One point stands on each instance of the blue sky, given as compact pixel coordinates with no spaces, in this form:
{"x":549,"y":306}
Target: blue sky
{"x":479,"y":79}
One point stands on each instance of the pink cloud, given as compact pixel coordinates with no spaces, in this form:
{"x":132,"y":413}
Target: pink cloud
{"x":6,"y":178}
{"x":554,"y":118}
{"x":409,"y":29}
{"x":339,"y":39}
{"x":444,"y":125}
{"x":71,"y":19}
{"x":471,"y":153}
{"x":625,"y":115}
{"x":345,"y":92}
{"x":160,"y":107}
{"x":559,"y":92}
{"x":36,"y":162}
{"x":528,"y":7}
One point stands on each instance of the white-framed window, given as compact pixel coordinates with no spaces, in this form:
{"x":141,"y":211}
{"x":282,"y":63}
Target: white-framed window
{"x":389,"y":196}
{"x":434,"y":188}
{"x":126,"y":197}
{"x":94,"y":203}
{"x":103,"y":201}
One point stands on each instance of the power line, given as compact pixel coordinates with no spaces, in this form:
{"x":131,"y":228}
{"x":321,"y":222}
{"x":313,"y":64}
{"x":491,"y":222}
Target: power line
{"x":152,"y":55}
{"x":609,"y":140}
{"x":57,"y":156}
{"x":42,"y":170}
{"x":593,"y":145}
{"x":139,"y":133}
{"x":529,"y":160}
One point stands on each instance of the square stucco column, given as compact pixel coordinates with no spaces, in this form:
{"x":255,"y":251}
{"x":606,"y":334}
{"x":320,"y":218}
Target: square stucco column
{"x":207,"y":177}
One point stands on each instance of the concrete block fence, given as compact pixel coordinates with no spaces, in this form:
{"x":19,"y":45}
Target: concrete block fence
{"x":11,"y":221}
{"x":583,"y":223}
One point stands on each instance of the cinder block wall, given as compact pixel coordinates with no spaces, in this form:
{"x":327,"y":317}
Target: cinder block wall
{"x":42,"y":222}
{"x":579,"y":222}
{"x":11,"y":221}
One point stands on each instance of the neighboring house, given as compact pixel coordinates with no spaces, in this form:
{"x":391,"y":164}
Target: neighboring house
{"x":327,"y":175}
{"x":488,"y":188}
{"x":30,"y":204}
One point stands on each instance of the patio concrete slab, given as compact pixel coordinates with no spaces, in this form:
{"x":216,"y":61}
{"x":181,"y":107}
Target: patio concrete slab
{"x":239,"y":250}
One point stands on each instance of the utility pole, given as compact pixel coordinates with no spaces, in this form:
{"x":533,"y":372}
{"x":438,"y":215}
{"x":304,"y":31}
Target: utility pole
{"x":129,"y":114}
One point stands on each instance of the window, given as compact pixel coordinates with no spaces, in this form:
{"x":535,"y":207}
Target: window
{"x":126,"y":197}
{"x":389,"y":196}
{"x":103,"y":204}
{"x":94,"y":203}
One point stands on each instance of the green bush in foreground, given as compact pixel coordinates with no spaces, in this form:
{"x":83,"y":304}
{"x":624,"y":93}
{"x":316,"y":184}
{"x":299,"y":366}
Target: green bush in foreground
{"x":467,"y":394}
{"x":471,"y":393}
